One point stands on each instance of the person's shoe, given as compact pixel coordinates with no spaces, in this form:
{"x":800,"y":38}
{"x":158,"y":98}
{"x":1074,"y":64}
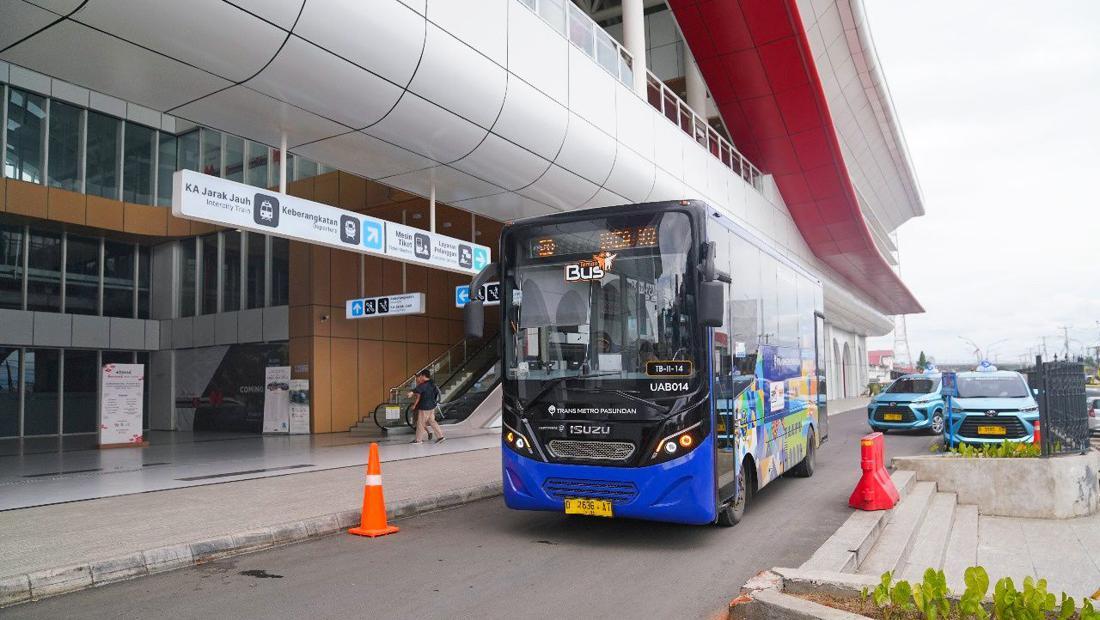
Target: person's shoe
{"x":441,"y":440}
{"x":416,"y":442}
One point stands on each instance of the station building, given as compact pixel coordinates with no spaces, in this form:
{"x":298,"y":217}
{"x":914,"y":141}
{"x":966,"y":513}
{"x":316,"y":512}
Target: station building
{"x":444,"y":115}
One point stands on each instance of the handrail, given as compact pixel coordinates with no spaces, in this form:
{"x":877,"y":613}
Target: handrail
{"x":676,"y":110}
{"x":437,"y":364}
{"x":586,"y":35}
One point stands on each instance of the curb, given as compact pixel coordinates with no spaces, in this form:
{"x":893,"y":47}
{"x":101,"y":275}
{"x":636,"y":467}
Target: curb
{"x":41,"y":584}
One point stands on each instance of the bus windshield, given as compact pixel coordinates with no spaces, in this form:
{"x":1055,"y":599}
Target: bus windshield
{"x":596,"y":300}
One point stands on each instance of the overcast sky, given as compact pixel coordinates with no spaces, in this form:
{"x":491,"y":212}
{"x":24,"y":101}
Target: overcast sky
{"x":1000,"y":104}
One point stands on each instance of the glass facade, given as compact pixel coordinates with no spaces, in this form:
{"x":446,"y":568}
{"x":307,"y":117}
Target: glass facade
{"x":188,"y":273}
{"x":231,"y":271}
{"x":93,"y":268}
{"x":66,"y":129}
{"x":280,"y":271}
{"x":79,"y":390}
{"x":26,"y":136}
{"x":209,"y":273}
{"x":139,"y":160}
{"x":102,"y":167}
{"x":256,"y":266}
{"x":9,"y":391}
{"x":82,"y":275}
{"x":41,"y":383}
{"x":44,"y":271}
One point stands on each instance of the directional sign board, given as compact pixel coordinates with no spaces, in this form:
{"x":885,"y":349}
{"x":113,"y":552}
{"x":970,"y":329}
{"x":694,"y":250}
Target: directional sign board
{"x":490,"y":292}
{"x":206,"y":198}
{"x":387,"y":305}
{"x":949,"y":385}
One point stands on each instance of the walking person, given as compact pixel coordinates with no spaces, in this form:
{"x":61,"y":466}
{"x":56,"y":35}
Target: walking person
{"x":427,"y":399}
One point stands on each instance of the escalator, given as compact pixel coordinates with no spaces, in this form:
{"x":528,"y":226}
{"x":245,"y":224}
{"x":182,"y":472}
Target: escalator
{"x":468,"y":376}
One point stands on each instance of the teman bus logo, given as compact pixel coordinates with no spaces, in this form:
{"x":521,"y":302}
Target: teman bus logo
{"x":594,"y":269}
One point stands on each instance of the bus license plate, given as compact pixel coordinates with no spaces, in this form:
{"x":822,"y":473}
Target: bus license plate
{"x":590,"y":507}
{"x":991,"y":430}
{"x":892,"y":417}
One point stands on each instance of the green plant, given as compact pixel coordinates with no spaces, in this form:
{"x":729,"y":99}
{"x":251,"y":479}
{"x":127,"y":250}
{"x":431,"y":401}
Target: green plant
{"x":931,"y":594}
{"x":977,"y":584}
{"x":1004,"y":450}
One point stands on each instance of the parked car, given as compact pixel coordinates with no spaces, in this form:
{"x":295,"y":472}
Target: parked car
{"x":992,"y":406}
{"x":1094,"y":415}
{"x":909,"y":403}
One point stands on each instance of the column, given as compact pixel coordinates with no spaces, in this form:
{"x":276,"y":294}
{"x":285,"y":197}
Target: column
{"x":634,"y":41}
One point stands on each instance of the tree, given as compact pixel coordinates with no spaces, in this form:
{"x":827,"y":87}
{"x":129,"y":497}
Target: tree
{"x":922,"y":361}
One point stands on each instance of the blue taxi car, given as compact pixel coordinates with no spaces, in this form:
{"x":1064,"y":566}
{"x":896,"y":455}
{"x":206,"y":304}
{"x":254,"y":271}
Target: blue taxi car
{"x":992,"y":406}
{"x":911,"y":402}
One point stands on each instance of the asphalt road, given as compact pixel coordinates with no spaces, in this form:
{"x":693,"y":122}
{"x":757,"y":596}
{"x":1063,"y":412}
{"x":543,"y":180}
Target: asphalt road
{"x":484,"y":561}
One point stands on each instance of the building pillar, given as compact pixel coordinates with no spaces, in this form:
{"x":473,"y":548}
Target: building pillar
{"x":696,"y":88}
{"x":634,"y":41}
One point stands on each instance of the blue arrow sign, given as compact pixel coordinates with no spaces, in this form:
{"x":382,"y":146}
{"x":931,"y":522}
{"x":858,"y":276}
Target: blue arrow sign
{"x":462,"y":295}
{"x":490,"y":293}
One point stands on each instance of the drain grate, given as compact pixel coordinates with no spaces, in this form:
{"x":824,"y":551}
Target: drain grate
{"x":244,"y":472}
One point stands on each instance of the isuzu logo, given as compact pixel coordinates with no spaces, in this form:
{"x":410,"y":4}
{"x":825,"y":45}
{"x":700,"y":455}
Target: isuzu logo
{"x":589,"y":429}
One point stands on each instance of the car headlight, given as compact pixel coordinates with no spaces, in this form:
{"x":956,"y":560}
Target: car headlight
{"x":677,"y":444}
{"x":1030,"y":410}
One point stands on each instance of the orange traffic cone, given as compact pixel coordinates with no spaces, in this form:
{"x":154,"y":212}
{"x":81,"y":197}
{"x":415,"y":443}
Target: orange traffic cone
{"x":373,"y":520}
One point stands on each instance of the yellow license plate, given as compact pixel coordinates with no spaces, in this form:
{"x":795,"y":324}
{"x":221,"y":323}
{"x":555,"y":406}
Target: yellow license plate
{"x":991,"y":430}
{"x":892,"y":417}
{"x":590,"y":507}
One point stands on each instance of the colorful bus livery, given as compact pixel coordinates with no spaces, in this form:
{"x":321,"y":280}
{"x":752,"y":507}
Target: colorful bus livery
{"x":659,"y":363}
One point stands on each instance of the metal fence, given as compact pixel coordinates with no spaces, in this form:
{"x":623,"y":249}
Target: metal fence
{"x":1063,"y":413}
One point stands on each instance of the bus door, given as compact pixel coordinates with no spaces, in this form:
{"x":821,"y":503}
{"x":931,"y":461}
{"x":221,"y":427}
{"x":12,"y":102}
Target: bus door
{"x":820,"y":396}
{"x":723,"y":397}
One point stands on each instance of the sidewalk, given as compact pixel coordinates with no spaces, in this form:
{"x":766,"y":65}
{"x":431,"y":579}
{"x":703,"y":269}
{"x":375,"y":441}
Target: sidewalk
{"x":844,"y":405}
{"x":113,"y":538}
{"x":1064,"y":552}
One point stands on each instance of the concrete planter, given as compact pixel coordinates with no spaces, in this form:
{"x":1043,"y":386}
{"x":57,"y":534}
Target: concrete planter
{"x":1060,"y":487}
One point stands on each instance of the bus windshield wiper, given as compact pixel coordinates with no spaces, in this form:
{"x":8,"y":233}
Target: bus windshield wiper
{"x":551,"y":383}
{"x":627,"y":394}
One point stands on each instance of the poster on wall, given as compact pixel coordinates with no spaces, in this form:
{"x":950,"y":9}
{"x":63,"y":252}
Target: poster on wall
{"x":299,"y":406}
{"x":121,"y":399}
{"x":277,"y":399}
{"x":223,"y":388}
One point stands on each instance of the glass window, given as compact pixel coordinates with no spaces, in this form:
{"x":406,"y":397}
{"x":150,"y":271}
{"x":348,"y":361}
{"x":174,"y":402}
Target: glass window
{"x":66,"y":125}
{"x":144,"y":282}
{"x":256,"y":243}
{"x":188,"y":151}
{"x":118,"y":279}
{"x":137,"y":176}
{"x":607,"y":53}
{"x":914,"y":385}
{"x":103,"y":150}
{"x":305,"y":169}
{"x":231,"y":271}
{"x":209,"y":274}
{"x":44,"y":272}
{"x":581,"y":30}
{"x":9,"y":391}
{"x":188,"y":270}
{"x":280,"y":271}
{"x":11,"y":267}
{"x":82,"y":275}
{"x":41,"y":368}
{"x":78,"y":409}
{"x":787,"y":301}
{"x":26,"y":136}
{"x":234,"y":158}
{"x":553,"y":11}
{"x":211,"y":152}
{"x":257,"y":165}
{"x":769,"y":302}
{"x":166,"y":165}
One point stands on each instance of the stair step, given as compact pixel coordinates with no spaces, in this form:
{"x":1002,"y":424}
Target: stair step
{"x":904,"y":479}
{"x":962,"y":546}
{"x":931,"y":542}
{"x":897,"y":538}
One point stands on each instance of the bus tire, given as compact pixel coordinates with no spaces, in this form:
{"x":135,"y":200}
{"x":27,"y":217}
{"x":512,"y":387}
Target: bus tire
{"x":806,"y":467}
{"x":731,"y":513}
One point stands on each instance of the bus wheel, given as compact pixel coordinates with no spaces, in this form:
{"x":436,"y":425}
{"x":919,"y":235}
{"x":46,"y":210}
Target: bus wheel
{"x":805,"y":469}
{"x":731,"y":514}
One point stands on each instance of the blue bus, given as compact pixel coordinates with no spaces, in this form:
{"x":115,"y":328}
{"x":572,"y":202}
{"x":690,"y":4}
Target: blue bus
{"x":660,"y":362}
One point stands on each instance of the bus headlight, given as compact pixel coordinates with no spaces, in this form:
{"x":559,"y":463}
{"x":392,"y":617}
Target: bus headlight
{"x":677,"y":444}
{"x":517,"y":442}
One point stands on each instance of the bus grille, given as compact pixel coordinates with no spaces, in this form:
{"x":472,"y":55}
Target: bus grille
{"x":617,"y":492}
{"x":591,"y":450}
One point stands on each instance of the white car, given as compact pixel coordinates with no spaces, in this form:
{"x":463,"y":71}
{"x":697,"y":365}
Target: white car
{"x":1094,"y":415}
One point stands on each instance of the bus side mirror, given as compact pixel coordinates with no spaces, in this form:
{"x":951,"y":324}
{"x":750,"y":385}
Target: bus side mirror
{"x":473,"y":313}
{"x":712,"y":303}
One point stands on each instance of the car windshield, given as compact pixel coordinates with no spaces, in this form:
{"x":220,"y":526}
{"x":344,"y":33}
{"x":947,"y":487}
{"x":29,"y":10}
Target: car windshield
{"x":914,"y":385}
{"x":598,"y":297}
{"x":992,"y":387}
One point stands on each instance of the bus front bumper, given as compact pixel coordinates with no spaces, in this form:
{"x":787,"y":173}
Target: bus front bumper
{"x":678,"y":491}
